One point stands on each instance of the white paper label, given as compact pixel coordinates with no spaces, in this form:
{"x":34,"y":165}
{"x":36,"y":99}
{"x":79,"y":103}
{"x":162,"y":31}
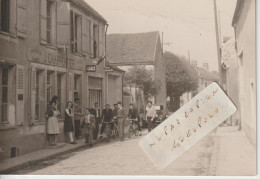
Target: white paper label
{"x":187,"y":126}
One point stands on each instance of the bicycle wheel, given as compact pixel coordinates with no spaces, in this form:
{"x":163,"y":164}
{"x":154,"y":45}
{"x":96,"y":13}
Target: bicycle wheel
{"x":130,"y":134}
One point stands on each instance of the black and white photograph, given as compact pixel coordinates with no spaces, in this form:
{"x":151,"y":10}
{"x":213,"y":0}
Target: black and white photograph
{"x":128,"y":87}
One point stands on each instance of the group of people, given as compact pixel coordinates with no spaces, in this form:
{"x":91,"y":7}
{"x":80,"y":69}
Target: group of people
{"x":91,"y":118}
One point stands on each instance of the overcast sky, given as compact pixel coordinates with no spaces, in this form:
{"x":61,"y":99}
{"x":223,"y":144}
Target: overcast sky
{"x":186,"y":24}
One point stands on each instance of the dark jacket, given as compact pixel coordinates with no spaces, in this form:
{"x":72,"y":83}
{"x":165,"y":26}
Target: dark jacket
{"x":132,"y":113}
{"x":107,"y":115}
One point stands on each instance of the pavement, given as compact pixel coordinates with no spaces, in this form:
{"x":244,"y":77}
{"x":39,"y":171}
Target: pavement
{"x":233,"y":154}
{"x":224,"y":151}
{"x":12,"y":164}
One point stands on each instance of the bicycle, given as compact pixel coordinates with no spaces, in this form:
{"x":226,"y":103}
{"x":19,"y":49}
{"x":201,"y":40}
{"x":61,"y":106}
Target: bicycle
{"x":115,"y":129}
{"x":133,"y":129}
{"x":107,"y":130}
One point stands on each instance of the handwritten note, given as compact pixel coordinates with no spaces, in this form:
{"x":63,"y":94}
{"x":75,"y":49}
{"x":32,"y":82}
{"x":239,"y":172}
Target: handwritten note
{"x":187,"y":126}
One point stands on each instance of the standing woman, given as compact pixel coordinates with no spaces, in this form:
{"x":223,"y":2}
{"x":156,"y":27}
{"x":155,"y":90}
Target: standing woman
{"x":52,"y":123}
{"x":68,"y":122}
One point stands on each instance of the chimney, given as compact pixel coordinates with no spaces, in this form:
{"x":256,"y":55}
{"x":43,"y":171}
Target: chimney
{"x":194,"y":63}
{"x":206,"y":66}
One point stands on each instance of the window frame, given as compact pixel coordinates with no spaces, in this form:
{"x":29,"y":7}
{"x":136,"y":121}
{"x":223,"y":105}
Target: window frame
{"x":51,"y":19}
{"x":75,"y":18}
{"x":8,"y":17}
{"x":2,"y":121}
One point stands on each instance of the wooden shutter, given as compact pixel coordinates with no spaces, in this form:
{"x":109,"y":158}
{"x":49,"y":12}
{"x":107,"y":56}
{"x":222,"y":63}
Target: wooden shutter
{"x":100,"y":40}
{"x":19,"y":95}
{"x":43,"y":21}
{"x":96,"y":37}
{"x":85,"y":37}
{"x":21,"y":18}
{"x":63,"y":23}
{"x":79,"y":32}
{"x":33,"y":94}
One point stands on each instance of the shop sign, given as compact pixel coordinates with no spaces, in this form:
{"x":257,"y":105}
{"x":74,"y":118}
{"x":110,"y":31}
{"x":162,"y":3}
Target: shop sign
{"x":90,"y":68}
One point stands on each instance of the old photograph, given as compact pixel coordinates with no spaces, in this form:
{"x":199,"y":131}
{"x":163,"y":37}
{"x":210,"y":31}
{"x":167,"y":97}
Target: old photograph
{"x":85,"y":84}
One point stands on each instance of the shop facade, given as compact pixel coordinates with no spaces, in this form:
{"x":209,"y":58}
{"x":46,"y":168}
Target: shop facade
{"x":48,"y":54}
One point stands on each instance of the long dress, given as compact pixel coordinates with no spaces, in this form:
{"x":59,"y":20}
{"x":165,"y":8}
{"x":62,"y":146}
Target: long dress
{"x":53,"y":124}
{"x":68,"y":123}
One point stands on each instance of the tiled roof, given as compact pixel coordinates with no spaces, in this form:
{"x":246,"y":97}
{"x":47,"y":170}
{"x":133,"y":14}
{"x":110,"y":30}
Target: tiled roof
{"x":137,"y":48}
{"x":207,"y":75}
{"x":89,"y":10}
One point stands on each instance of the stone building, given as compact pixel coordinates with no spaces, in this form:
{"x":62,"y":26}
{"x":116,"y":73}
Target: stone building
{"x":47,"y":48}
{"x":245,"y":37}
{"x":139,"y":49}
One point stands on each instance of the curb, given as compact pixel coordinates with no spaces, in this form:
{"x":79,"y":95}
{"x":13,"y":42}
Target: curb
{"x":35,"y":161}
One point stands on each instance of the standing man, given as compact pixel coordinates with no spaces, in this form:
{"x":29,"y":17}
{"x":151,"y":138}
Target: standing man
{"x":150,"y":115}
{"x":77,"y":115}
{"x":133,"y":115}
{"x":96,"y":113}
{"x":106,"y":116}
{"x":121,"y":115}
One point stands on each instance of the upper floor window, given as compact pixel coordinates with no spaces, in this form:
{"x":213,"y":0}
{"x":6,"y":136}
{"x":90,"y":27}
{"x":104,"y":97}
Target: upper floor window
{"x":95,"y":41}
{"x":75,"y":32}
{"x":5,"y":15}
{"x":50,"y":29}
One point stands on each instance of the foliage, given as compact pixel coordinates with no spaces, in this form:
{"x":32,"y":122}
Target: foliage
{"x":140,"y":77}
{"x":180,"y":75}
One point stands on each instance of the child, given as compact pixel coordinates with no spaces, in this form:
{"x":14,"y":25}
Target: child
{"x":88,"y":124}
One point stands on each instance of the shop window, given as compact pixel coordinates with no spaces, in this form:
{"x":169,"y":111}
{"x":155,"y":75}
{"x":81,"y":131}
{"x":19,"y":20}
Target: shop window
{"x":50,"y":29}
{"x":5,"y":15}
{"x":50,"y":85}
{"x":95,"y":41}
{"x":61,"y":93}
{"x":77,"y":86}
{"x":76,"y":24}
{"x":4,"y":94}
{"x":39,"y":106}
{"x":95,"y":91}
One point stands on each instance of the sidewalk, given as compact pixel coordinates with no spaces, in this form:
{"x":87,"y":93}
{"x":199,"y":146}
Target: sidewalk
{"x":233,"y":154}
{"x":12,"y":164}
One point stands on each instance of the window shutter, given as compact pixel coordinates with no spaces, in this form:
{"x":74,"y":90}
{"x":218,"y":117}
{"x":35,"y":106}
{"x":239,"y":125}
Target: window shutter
{"x":43,"y":21}
{"x":85,"y":37}
{"x":63,"y":23}
{"x":79,"y":36}
{"x":97,"y":39}
{"x":21,"y":18}
{"x":100,"y":46}
{"x":33,"y":94}
{"x":19,"y":94}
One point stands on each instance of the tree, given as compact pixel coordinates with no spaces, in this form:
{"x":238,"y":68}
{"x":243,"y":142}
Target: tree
{"x":140,"y":77}
{"x":180,"y":77}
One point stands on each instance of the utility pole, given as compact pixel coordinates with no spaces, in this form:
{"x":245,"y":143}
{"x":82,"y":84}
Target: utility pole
{"x":217,"y":41}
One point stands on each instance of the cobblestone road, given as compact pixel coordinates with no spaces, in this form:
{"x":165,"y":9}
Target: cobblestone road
{"x":127,"y":158}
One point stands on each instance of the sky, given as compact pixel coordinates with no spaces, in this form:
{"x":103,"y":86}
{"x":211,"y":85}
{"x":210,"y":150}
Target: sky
{"x":187,"y":25}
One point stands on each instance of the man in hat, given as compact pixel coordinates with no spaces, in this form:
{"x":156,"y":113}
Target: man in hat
{"x":121,"y":115}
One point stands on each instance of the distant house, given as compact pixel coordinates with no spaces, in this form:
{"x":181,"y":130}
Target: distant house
{"x":245,"y":38}
{"x":139,"y":49}
{"x":205,"y":77}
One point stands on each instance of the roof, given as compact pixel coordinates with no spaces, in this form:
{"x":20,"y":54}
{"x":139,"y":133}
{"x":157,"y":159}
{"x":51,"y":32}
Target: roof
{"x":239,"y":6}
{"x":137,"y":48}
{"x":207,"y":75}
{"x":83,"y":4}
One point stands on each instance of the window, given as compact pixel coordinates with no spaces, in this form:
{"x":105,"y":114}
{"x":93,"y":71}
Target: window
{"x":61,"y":92}
{"x":4,"y":94}
{"x":95,"y":41}
{"x":95,"y":91}
{"x":5,"y":15}
{"x":37,"y":96}
{"x":50,"y":23}
{"x":50,"y":82}
{"x":77,"y":86}
{"x":75,"y":32}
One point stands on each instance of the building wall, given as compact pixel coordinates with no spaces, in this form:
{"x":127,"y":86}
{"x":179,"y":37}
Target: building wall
{"x":24,"y":52}
{"x":245,"y":38}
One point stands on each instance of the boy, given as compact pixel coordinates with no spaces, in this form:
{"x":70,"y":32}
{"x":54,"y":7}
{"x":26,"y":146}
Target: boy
{"x":88,"y":125}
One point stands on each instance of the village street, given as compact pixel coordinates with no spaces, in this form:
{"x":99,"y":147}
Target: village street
{"x":127,"y":158}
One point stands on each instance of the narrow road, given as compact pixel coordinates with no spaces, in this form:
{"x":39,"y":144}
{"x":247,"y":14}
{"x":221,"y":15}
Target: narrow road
{"x":127,"y":158}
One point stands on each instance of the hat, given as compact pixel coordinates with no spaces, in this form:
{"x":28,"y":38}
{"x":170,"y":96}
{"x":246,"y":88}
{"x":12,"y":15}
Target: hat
{"x":119,"y":102}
